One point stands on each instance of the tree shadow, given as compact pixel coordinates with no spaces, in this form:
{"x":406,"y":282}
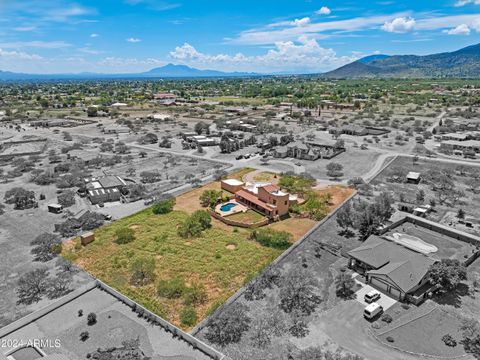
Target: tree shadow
{"x":452,"y":297}
{"x":346,"y":233}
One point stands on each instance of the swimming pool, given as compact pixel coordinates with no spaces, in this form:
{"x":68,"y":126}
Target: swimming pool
{"x":227,"y":207}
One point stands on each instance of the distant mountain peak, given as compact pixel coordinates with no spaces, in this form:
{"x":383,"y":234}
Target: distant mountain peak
{"x":373,"y":57}
{"x":463,"y":63}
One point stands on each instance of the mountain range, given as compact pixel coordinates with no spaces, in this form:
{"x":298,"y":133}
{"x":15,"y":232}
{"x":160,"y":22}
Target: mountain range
{"x":463,"y":63}
{"x":167,"y":71}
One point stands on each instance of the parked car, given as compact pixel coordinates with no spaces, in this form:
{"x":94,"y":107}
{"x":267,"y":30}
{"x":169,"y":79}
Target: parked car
{"x":372,"y":296}
{"x":372,"y":310}
{"x":239,"y":157}
{"x":246,"y":156}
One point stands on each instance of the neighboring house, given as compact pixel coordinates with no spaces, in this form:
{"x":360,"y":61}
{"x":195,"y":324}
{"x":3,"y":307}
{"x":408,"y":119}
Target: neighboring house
{"x":307,"y":151}
{"x":87,"y":157}
{"x":469,"y":145}
{"x":51,"y":123}
{"x":160,"y":117}
{"x":119,"y":105}
{"x":392,"y":268}
{"x":106,"y":189}
{"x":455,"y":137}
{"x":202,"y":140}
{"x":413,"y":177}
{"x":115,"y":129}
{"x":165,"y":98}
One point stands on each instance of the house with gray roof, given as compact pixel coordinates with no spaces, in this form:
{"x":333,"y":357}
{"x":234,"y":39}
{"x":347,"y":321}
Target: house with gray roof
{"x":394,"y":269}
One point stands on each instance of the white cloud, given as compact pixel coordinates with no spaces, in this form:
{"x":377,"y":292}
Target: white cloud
{"x":323,"y":11}
{"x":268,"y":35}
{"x":133,"y":40}
{"x":462,"y":29}
{"x":36,"y":44}
{"x":94,"y":35}
{"x":90,"y":51}
{"x":62,"y":15}
{"x":24,"y":28}
{"x":303,"y":55}
{"x":466,"y":2}
{"x":18,"y":55}
{"x":297,"y":22}
{"x":399,"y":25}
{"x":154,"y":4}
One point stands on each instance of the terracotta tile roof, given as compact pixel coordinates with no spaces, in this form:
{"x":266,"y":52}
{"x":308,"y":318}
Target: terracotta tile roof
{"x":243,"y":194}
{"x":270,"y":188}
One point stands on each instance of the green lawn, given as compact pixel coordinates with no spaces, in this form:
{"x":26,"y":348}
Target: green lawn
{"x":248,"y":217}
{"x":219,"y":260}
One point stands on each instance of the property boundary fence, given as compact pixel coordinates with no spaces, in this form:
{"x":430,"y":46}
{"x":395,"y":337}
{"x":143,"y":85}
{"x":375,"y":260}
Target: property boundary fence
{"x":32,"y":317}
{"x":278,"y":260}
{"x":238,"y":223}
{"x":442,"y":229}
{"x":147,"y":314}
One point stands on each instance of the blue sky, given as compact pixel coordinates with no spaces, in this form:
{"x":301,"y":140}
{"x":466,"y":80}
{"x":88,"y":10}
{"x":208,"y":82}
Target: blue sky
{"x":115,"y":36}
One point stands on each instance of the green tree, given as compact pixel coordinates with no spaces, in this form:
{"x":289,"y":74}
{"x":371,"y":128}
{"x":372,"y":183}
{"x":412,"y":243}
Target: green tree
{"x":21,"y":198}
{"x":334,"y":170}
{"x":163,"y":207}
{"x":32,"y":286}
{"x":298,"y":293}
{"x":448,"y":273}
{"x":46,"y":247}
{"x":229,"y":326}
{"x":344,"y":284}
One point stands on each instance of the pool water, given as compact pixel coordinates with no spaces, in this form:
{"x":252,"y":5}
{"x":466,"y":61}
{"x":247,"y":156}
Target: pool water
{"x":227,"y":207}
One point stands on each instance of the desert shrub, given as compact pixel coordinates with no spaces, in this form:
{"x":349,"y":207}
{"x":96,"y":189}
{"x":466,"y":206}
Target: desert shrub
{"x":143,"y":270}
{"x":163,"y":207}
{"x":299,"y":328}
{"x":171,"y":289}
{"x":387,"y":318}
{"x":272,"y":238}
{"x":84,"y":335}
{"x":124,"y":235}
{"x":405,"y":306}
{"x":449,"y":340}
{"x":91,"y":319}
{"x":390,"y":339}
{"x":194,"y":295}
{"x":188,"y":316}
{"x":193,"y":226}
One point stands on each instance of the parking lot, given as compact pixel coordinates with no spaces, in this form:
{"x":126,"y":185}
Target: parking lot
{"x":385,"y":301}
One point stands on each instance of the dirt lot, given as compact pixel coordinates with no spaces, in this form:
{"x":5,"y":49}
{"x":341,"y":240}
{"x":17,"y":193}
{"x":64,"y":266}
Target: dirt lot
{"x":424,"y":335}
{"x":402,"y":165}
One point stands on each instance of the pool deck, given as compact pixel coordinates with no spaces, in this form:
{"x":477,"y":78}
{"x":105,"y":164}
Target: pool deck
{"x":234,"y":210}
